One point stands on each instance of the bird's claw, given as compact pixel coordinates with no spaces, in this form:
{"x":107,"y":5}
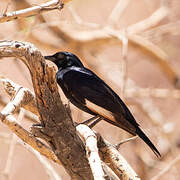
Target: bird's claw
{"x":38,"y":130}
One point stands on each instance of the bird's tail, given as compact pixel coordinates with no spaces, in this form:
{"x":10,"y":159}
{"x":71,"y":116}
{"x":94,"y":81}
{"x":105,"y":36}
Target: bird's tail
{"x":141,"y":134}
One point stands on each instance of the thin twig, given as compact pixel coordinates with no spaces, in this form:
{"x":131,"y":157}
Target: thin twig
{"x":150,"y":22}
{"x":117,"y":11}
{"x":7,"y":6}
{"x":117,"y":146}
{"x":124,"y":63}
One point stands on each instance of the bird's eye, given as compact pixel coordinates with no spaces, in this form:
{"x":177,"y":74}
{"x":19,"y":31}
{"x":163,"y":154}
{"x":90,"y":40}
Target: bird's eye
{"x":61,"y":56}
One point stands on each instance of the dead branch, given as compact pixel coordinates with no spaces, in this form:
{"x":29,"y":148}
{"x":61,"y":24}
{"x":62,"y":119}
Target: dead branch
{"x":118,"y":11}
{"x":21,"y":97}
{"x":28,"y":115}
{"x":109,"y":154}
{"x":58,"y":126}
{"x":150,"y":22}
{"x":91,"y":151}
{"x":51,"y":5}
{"x":116,"y":162}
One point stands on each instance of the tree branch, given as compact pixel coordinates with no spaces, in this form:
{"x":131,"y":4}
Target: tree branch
{"x":20,"y":97}
{"x":91,"y":151}
{"x":32,"y":11}
{"x":57,"y":124}
{"x":116,"y":162}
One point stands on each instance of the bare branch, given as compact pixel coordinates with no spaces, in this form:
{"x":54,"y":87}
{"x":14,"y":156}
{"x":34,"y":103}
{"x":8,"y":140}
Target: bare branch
{"x":91,"y":151}
{"x":116,"y":162}
{"x":58,"y":125}
{"x":25,"y":97}
{"x":117,"y":146}
{"x":150,"y":22}
{"x":51,"y":5}
{"x":118,"y":11}
{"x":108,"y":154}
{"x":21,"y":98}
{"x":170,"y":29}
{"x":123,"y":63}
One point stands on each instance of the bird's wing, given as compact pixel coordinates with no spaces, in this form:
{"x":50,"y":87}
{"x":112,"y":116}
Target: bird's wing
{"x":87,"y":88}
{"x":90,"y":91}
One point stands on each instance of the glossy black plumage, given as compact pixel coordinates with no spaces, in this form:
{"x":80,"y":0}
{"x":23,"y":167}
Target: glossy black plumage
{"x":91,"y":94}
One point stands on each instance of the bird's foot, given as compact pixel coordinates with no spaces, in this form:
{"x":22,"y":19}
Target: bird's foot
{"x":68,"y":109}
{"x":89,"y":120}
{"x":95,"y":120}
{"x":38,"y":130}
{"x":86,"y":122}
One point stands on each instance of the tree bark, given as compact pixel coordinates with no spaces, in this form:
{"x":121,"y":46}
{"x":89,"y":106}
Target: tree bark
{"x":56,"y":123}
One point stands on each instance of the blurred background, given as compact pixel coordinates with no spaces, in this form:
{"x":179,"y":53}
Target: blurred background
{"x":134,"y":47}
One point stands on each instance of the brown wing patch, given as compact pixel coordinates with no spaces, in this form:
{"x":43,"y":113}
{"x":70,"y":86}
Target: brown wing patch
{"x":99,"y":110}
{"x":112,"y":119}
{"x":116,"y":120}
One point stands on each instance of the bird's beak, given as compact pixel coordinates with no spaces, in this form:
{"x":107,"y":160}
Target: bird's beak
{"x":50,"y":58}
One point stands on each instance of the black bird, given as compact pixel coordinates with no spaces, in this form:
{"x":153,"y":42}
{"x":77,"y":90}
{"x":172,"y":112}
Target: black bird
{"x":91,"y":94}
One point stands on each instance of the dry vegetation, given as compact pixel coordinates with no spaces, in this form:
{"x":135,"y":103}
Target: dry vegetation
{"x":133,"y":46}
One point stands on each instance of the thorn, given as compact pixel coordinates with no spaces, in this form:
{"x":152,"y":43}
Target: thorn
{"x":117,"y":146}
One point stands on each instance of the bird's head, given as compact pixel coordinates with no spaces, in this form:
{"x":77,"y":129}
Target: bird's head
{"x":64,"y":60}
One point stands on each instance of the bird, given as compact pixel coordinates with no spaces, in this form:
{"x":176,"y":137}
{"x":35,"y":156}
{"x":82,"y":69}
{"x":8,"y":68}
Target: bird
{"x":91,"y":94}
